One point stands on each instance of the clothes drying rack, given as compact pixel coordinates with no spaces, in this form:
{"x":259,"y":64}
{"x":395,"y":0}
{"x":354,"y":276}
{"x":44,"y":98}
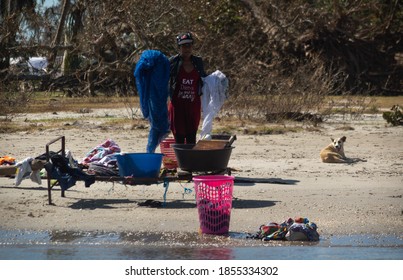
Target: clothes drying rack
{"x":164,"y":177}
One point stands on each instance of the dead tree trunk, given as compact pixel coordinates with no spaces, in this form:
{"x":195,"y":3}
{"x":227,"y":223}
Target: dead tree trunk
{"x":58,"y":35}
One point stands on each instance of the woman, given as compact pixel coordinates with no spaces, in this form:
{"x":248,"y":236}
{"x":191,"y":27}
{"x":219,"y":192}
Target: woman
{"x":185,"y":83}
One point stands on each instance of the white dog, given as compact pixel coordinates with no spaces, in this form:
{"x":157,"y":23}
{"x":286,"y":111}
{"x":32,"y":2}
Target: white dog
{"x":334,"y":152}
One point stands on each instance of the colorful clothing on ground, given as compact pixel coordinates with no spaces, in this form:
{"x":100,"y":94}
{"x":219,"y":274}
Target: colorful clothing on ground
{"x":300,"y":229}
{"x":7,"y":160}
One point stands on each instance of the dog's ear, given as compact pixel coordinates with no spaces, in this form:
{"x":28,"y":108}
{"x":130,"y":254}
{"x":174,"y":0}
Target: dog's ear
{"x":343,"y":138}
{"x":332,"y":139}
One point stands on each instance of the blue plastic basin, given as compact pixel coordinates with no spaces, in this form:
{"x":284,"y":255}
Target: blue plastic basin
{"x":141,"y":165}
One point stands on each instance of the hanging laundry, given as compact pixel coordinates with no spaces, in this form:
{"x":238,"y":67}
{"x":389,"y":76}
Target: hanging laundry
{"x":29,"y":168}
{"x":152,"y":76}
{"x":215,"y":92}
{"x":59,"y":168}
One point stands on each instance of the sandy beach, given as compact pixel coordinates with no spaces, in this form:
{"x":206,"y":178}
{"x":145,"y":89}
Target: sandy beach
{"x":360,"y":198}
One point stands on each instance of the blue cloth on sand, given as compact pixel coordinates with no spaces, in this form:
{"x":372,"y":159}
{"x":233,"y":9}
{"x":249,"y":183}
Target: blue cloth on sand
{"x":152,"y":76}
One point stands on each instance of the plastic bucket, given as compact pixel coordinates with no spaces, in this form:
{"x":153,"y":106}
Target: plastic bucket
{"x":214,"y":202}
{"x":169,"y":159}
{"x":141,"y":165}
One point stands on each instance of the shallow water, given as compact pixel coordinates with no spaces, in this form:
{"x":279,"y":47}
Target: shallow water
{"x":68,"y":245}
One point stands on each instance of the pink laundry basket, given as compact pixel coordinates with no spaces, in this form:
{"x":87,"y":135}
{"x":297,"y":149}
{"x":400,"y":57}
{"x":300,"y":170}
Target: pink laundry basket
{"x":214,"y":202}
{"x":169,"y":159}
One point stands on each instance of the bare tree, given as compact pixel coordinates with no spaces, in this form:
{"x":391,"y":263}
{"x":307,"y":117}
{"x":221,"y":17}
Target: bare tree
{"x":59,"y":34}
{"x":260,"y":45}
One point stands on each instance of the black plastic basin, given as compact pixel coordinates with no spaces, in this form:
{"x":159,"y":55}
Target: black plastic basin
{"x":201,"y":160}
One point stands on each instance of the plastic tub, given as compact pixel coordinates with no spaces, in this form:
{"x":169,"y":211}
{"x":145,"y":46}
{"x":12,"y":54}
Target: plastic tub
{"x":169,"y":159}
{"x":141,"y":165}
{"x":214,"y":202}
{"x":201,"y":160}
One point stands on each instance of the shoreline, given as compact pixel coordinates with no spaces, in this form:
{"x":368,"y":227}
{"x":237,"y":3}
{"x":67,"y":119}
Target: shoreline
{"x":10,"y":237}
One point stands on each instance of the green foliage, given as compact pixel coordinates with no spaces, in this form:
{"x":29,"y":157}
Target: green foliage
{"x":395,"y":117}
{"x":227,"y":18}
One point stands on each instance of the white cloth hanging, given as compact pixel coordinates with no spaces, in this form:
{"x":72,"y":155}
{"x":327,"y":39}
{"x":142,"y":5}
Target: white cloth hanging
{"x":25,"y":171}
{"x":215,"y":92}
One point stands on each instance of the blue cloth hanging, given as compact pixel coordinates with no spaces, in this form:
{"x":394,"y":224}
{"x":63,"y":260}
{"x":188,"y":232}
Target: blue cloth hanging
{"x":152,"y":76}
